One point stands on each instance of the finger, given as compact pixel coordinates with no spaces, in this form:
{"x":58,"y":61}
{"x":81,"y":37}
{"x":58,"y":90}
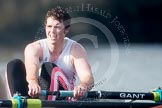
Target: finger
{"x":30,"y":91}
{"x":33,"y":90}
{"x":82,"y":93}
{"x":79,"y":93}
{"x":39,"y":89}
{"x":75,"y":93}
{"x":36,"y":90}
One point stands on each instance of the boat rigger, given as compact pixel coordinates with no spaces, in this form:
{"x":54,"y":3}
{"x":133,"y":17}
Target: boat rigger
{"x":90,"y":100}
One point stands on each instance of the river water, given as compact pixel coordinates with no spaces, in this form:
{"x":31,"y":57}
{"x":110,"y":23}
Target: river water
{"x":135,"y":69}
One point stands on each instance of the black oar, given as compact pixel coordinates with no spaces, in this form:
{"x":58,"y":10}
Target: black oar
{"x":21,"y":102}
{"x":155,"y":95}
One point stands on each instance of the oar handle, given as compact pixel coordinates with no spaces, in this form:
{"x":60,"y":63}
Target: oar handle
{"x":60,"y":93}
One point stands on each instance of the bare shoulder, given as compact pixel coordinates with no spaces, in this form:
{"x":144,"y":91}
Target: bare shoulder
{"x":33,"y":48}
{"x":78,"y":50}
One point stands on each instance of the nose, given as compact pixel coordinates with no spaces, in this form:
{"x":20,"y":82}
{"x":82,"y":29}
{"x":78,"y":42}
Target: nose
{"x":53,"y":29}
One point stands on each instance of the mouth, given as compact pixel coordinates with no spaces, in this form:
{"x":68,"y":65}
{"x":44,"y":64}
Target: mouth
{"x":53,"y":37}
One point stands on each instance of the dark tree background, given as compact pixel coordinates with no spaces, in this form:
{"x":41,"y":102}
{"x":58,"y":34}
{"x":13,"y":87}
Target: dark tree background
{"x":21,"y":20}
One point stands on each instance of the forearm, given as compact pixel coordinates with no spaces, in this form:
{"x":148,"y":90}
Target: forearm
{"x":32,"y":73}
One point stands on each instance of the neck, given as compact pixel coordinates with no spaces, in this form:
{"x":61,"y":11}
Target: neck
{"x":56,"y":48}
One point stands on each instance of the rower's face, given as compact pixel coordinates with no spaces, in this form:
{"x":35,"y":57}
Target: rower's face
{"x":55,"y":30}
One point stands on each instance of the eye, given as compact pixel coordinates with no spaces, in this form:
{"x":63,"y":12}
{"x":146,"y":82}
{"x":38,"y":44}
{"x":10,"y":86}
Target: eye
{"x":58,"y":27}
{"x":49,"y":26}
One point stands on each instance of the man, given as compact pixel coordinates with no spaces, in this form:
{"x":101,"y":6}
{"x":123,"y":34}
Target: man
{"x":66,"y":57}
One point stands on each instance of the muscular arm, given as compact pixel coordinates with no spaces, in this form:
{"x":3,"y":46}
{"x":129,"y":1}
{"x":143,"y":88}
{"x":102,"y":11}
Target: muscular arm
{"x":32,"y":61}
{"x":82,"y":66}
{"x":32,"y":55}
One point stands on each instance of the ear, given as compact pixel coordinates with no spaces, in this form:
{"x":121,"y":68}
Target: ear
{"x":67,"y":30}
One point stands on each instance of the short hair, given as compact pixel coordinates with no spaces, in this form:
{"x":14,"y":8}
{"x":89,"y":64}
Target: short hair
{"x":59,"y":14}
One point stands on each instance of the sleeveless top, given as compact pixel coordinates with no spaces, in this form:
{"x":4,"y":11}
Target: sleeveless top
{"x":63,"y":61}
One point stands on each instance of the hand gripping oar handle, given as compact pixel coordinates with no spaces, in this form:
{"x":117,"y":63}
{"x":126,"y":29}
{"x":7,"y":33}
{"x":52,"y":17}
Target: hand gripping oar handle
{"x":60,"y":93}
{"x":155,"y":95}
{"x":64,"y":93}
